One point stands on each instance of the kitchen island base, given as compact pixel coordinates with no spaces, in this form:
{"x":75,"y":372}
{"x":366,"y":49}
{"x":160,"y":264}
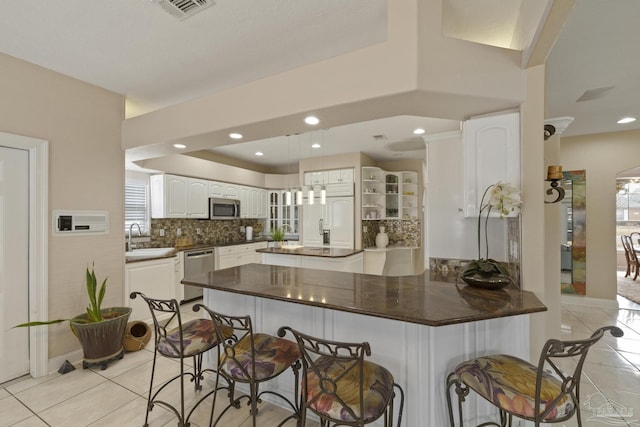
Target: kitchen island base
{"x":419,"y":356}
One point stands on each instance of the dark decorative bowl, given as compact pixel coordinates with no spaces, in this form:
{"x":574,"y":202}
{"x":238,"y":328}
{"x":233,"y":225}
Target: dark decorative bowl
{"x":486,"y":281}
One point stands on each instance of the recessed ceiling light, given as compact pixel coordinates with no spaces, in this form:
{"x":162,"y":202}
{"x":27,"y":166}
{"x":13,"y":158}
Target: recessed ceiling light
{"x":311,"y":120}
{"x":235,"y":135}
{"x":315,"y":145}
{"x":259,"y":153}
{"x":419,"y":131}
{"x":179,"y":145}
{"x":626,"y":120}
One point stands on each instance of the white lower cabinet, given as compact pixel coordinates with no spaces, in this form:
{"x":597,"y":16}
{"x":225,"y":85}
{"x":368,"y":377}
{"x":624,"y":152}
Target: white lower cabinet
{"x":233,"y":256}
{"x":155,"y":278}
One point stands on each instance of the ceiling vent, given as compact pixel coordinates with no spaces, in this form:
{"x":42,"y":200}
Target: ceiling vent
{"x":183,"y":9}
{"x":597,"y":93}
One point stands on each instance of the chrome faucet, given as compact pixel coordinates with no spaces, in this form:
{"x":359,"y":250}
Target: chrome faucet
{"x":130,"y":245}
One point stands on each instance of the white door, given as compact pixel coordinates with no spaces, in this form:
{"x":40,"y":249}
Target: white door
{"x":340,"y":221}
{"x":14,"y":262}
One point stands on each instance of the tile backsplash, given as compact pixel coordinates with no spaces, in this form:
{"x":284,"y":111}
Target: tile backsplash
{"x":210,"y":231}
{"x":406,"y":232}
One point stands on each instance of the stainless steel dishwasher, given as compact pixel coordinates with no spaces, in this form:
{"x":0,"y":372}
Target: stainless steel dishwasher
{"x":197,"y":262}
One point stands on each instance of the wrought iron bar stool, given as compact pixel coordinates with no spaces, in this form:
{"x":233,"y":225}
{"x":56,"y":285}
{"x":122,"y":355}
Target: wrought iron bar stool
{"x":177,"y":340}
{"x":542,"y":393}
{"x":342,"y":388}
{"x":251,"y":358}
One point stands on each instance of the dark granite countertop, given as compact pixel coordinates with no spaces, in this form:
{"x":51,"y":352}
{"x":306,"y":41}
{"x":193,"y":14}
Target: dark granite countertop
{"x":195,"y":246}
{"x":414,"y":299}
{"x":312,"y":251}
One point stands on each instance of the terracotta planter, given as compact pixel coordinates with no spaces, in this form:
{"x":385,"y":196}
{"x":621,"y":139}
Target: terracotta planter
{"x":136,"y":336}
{"x":102,"y":341}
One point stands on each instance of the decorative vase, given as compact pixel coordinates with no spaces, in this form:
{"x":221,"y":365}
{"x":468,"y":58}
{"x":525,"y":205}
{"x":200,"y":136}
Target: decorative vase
{"x":136,"y":336}
{"x":486,"y":280}
{"x":382,"y":239}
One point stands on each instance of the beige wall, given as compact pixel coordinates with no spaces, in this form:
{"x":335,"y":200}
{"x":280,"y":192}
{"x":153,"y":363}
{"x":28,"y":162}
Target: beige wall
{"x":86,"y":171}
{"x":602,"y":156}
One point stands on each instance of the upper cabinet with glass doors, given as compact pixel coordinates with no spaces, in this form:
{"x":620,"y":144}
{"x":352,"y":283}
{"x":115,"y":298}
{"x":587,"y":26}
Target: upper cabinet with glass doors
{"x":283,"y":215}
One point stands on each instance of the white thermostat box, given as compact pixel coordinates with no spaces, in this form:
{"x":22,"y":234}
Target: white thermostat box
{"x":80,"y":222}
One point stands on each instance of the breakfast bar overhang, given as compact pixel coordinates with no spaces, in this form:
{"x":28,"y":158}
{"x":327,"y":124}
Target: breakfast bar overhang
{"x":418,"y":328}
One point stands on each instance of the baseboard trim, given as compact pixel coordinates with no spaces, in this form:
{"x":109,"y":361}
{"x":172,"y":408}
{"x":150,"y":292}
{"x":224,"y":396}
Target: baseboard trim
{"x":589,"y":301}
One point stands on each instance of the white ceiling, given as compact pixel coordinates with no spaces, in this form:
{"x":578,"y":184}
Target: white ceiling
{"x":135,"y":48}
{"x":598,"y":48}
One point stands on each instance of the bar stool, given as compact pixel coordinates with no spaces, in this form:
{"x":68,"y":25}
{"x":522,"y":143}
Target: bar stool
{"x":340,"y":386}
{"x":542,"y":393}
{"x":251,"y":358}
{"x":177,"y":340}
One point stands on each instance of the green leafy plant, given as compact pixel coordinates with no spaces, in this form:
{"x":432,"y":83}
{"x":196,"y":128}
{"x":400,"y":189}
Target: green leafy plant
{"x":277,"y":234}
{"x":95,"y":302}
{"x":506,"y":199}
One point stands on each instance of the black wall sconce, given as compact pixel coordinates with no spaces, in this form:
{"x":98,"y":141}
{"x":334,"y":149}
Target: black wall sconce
{"x":554,"y":175}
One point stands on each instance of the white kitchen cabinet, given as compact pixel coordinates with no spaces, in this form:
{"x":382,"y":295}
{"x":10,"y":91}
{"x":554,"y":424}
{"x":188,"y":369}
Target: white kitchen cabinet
{"x":263,"y":205}
{"x":231,"y":191}
{"x":491,"y":147}
{"x":316,"y":178}
{"x":245,"y":208}
{"x":155,"y":278}
{"x":216,"y":189}
{"x":253,"y":202}
{"x":224,"y":190}
{"x":235,"y":255}
{"x":340,"y":176}
{"x":178,"y":197}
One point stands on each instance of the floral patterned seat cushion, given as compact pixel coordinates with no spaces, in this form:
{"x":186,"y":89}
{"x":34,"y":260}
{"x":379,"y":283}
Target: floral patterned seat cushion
{"x":272,"y":356}
{"x":330,"y":402}
{"x":198,"y":335}
{"x":509,"y":383}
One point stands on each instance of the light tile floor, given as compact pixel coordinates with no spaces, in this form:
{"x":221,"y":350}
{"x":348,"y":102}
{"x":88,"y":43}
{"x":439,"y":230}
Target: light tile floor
{"x":116,"y":396}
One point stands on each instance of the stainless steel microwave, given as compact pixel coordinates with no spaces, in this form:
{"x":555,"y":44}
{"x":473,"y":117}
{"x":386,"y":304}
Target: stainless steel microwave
{"x":224,"y":208}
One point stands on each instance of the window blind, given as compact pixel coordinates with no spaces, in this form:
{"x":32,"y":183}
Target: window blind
{"x":136,"y":207}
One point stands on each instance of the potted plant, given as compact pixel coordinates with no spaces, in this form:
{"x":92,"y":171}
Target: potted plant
{"x":99,"y":330}
{"x":277,"y":234}
{"x":486,"y":272}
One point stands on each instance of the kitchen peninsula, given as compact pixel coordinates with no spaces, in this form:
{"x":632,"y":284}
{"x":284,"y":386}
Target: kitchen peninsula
{"x":321,"y":258}
{"x":418,"y":328}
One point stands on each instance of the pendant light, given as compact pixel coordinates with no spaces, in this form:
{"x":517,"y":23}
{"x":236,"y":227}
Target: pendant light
{"x":310,"y":194}
{"x":323,"y":189}
{"x":287,"y":194}
{"x":299,"y":189}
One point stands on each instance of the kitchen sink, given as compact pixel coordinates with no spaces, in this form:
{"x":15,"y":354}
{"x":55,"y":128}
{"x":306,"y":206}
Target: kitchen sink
{"x":149,"y":252}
